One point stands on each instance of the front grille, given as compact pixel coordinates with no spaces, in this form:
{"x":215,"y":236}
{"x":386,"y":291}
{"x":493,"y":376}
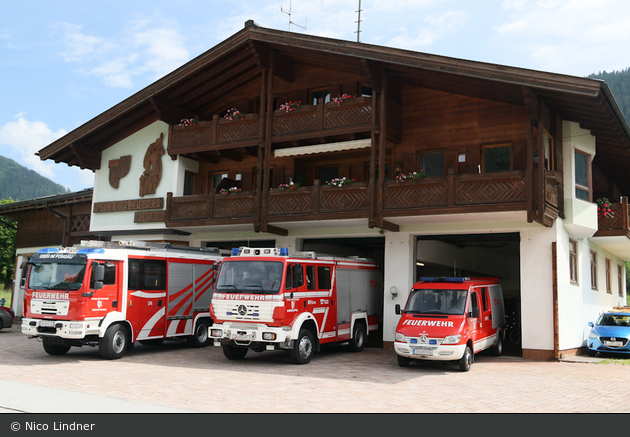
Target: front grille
{"x":623,"y":341}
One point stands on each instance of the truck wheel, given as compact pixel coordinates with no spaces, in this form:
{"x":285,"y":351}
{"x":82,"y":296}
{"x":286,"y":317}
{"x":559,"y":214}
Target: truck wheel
{"x":232,"y":352}
{"x":466,"y":361}
{"x":52,"y":348}
{"x":200,"y":337}
{"x":497,"y":349}
{"x":357,"y":342}
{"x":114,"y":343}
{"x":403,"y":361}
{"x":303,"y":348}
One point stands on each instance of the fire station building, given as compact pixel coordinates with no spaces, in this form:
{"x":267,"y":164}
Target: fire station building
{"x":431,"y":166}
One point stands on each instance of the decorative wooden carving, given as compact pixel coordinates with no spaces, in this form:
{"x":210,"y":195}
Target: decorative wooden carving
{"x":152,"y":167}
{"x":149,"y":216}
{"x":118,"y":168}
{"x":414,"y":195}
{"x":129,"y":205}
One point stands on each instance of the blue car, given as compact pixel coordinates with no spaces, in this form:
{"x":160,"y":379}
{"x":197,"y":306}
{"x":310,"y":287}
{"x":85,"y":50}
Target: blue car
{"x":610,"y":335}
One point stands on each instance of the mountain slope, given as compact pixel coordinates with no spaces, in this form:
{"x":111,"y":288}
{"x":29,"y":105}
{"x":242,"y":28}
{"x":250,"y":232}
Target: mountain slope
{"x":19,"y":183}
{"x":619,"y":84}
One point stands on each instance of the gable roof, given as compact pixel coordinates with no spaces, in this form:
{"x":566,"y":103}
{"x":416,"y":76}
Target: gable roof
{"x":192,"y":89}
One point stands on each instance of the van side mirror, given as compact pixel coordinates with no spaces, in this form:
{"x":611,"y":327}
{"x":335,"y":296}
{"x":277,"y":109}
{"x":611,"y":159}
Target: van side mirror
{"x":397,"y":309}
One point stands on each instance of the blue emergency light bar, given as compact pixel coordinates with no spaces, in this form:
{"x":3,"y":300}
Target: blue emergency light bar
{"x":91,"y":250}
{"x":48,"y":250}
{"x":235,"y":251}
{"x":284,"y":251}
{"x":443,"y":279}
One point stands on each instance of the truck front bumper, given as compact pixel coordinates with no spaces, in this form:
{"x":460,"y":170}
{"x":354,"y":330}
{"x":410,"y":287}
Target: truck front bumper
{"x":68,"y":329}
{"x":434,"y":353}
{"x":246,"y":335}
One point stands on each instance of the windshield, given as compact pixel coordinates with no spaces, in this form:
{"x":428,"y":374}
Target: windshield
{"x":425,"y":301}
{"x":254,"y":277}
{"x":614,"y":320}
{"x":53,"y":276}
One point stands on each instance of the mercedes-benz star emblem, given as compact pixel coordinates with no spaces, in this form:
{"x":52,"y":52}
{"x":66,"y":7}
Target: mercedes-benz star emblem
{"x":423,"y":339}
{"x":242,"y":310}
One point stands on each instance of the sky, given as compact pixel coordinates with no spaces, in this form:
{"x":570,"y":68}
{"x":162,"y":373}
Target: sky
{"x":64,"y":62}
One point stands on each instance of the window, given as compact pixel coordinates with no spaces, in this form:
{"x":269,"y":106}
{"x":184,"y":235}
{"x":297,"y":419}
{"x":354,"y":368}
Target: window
{"x":365,"y":91}
{"x":189,"y":183}
{"x":310,"y":278}
{"x":582,"y":176}
{"x":110,"y":275}
{"x":147,"y":275}
{"x":323,"y":276}
{"x":484,"y":299}
{"x":573,"y":272}
{"x":496,"y":157}
{"x":593,"y":270}
{"x":325,"y":174}
{"x":216,"y":179}
{"x":366,"y":171}
{"x":620,"y":280}
{"x":432,"y":163}
{"x":315,"y":95}
{"x":549,"y":152}
{"x":608,"y":284}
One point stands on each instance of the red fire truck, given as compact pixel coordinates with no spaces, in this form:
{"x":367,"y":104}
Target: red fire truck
{"x":450,"y":319}
{"x":265,"y":299}
{"x":112,"y":294}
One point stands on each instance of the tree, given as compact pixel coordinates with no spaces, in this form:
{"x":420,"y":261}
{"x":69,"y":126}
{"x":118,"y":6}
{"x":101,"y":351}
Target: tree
{"x":8,"y":232}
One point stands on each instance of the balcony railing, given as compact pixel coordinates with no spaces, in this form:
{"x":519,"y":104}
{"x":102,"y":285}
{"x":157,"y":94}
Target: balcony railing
{"x":616,"y":222}
{"x":309,"y":120}
{"x":431,"y":195}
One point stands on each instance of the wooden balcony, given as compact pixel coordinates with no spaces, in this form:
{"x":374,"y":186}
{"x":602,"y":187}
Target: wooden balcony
{"x":432,"y":195}
{"x":616,"y":223}
{"x":308,"y":121}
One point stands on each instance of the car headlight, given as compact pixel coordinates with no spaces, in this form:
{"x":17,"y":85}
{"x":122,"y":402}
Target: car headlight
{"x":452,"y":339}
{"x":592,"y":335}
{"x":400,"y":337}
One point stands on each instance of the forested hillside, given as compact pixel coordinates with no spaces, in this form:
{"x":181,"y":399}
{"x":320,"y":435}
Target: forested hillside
{"x":619,"y":84}
{"x":19,"y":183}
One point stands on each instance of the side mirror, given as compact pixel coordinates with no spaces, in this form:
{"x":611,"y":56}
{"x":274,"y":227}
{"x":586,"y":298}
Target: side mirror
{"x":397,"y":309}
{"x":591,"y":324}
{"x":99,"y":272}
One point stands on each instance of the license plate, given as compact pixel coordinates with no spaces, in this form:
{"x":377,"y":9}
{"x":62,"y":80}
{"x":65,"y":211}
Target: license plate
{"x":422,"y":352}
{"x":242,"y":337}
{"x":613,"y":343}
{"x":47,"y":323}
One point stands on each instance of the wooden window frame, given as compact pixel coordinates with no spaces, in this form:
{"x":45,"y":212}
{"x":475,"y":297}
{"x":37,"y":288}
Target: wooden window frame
{"x":586,"y":188}
{"x":193,"y":175}
{"x":620,"y":279}
{"x":313,"y":91}
{"x":485,"y":147}
{"x":593,"y":257}
{"x":550,"y":161}
{"x":573,"y":261}
{"x":608,"y":277}
{"x":430,"y":152}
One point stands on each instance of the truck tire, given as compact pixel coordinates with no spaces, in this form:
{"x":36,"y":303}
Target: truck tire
{"x":467,"y":359}
{"x":303,"y":348}
{"x":403,"y":361}
{"x":357,"y":342}
{"x":114,"y":343}
{"x":200,"y":337}
{"x":52,"y":348}
{"x":497,"y":349}
{"x":232,"y":352}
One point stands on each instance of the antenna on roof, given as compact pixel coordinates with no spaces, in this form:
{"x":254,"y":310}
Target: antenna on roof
{"x":289,"y":14}
{"x":358,"y":32}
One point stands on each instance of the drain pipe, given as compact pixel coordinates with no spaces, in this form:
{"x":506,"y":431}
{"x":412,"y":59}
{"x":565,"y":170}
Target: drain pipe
{"x":65,"y":222}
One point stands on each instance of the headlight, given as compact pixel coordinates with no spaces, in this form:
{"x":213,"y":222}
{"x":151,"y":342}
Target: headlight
{"x":592,"y":335}
{"x":400,"y":337}
{"x":452,"y":339}
{"x":269,"y":336}
{"x":216,"y":333}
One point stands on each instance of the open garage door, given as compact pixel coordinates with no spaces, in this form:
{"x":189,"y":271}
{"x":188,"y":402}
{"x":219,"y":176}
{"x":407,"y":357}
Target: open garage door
{"x":372,"y":248}
{"x":478,"y":255}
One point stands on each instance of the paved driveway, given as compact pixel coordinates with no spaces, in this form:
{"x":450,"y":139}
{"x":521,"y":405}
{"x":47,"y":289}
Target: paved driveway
{"x":175,"y":378}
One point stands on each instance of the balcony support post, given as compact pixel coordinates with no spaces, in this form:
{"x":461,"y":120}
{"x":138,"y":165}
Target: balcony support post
{"x":258,"y":213}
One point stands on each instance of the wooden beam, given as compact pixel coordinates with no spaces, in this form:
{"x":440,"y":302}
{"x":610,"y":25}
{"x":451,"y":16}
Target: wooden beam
{"x":168,"y":113}
{"x":86,"y":158}
{"x":373,"y":74}
{"x":530,"y":99}
{"x":285,"y":69}
{"x":275,"y":230}
{"x":388,"y":226}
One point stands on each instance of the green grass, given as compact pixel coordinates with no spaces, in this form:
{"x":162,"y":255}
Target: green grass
{"x":617,"y":361}
{"x":6,"y":294}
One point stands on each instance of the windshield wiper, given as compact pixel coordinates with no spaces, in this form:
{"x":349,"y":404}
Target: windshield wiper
{"x":221,"y":287}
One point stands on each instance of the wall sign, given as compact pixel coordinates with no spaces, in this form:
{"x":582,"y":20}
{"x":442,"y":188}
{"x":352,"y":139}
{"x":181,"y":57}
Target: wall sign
{"x":118,"y":168}
{"x":129,"y":205}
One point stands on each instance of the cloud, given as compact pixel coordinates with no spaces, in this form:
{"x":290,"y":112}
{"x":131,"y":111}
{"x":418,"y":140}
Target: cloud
{"x":163,"y":51}
{"x":435,"y":27}
{"x":25,"y":138}
{"x":78,"y":45}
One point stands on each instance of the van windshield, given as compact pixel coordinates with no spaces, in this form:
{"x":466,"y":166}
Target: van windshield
{"x":56,"y":276}
{"x":428,"y":301}
{"x":251,"y":277}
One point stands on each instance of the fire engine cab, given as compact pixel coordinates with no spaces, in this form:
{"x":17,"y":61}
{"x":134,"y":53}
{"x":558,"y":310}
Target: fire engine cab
{"x":450,"y":319}
{"x":265,"y":299}
{"x":111,"y":294}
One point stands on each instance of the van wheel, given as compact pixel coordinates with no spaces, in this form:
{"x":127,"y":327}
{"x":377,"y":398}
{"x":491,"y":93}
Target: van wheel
{"x":403,"y":361}
{"x":357,"y":342}
{"x":200,"y":337}
{"x":466,"y":361}
{"x":232,"y":352}
{"x":114,"y":343}
{"x":52,"y":348}
{"x":303,"y":348}
{"x":497,"y":349}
